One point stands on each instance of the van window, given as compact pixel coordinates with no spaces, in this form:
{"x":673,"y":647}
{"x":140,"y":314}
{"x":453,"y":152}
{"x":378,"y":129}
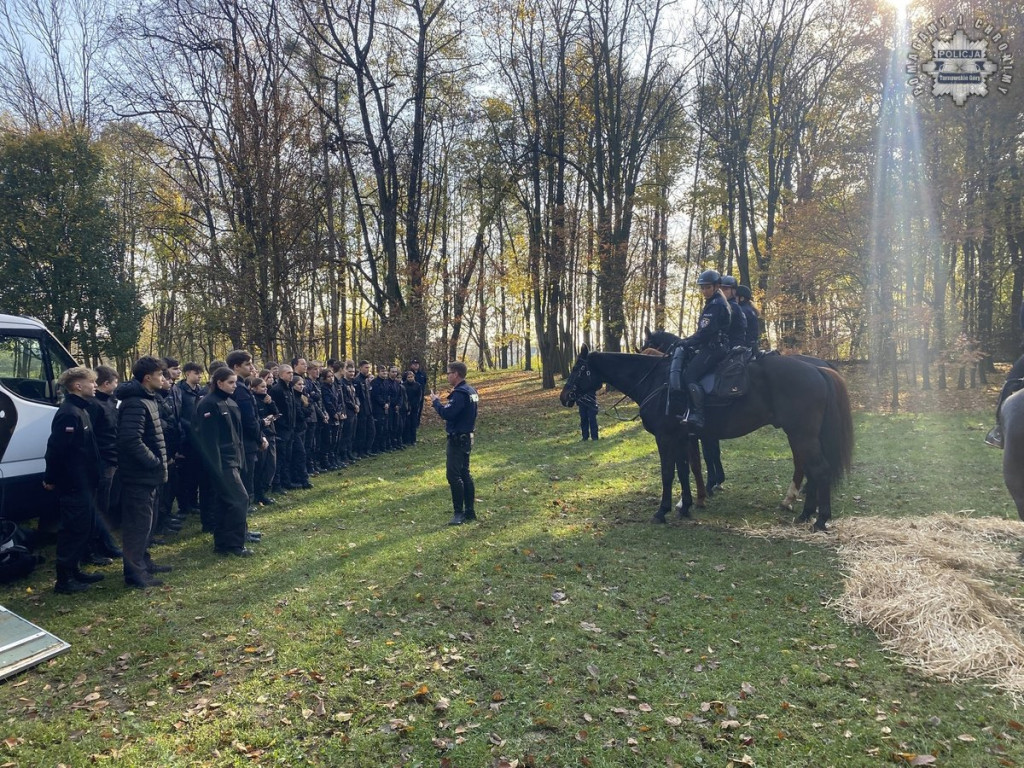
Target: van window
{"x":25,"y":367}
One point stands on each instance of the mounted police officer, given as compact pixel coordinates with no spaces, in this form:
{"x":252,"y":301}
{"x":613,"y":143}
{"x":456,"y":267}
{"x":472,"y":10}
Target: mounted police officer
{"x":708,"y":345}
{"x":744,"y":297}
{"x":459,"y":416}
{"x":737,"y":320}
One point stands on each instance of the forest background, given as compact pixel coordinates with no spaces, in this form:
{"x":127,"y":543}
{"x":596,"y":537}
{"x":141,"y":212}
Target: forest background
{"x":499,"y":181}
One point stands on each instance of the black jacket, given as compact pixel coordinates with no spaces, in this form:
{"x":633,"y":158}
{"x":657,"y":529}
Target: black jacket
{"x":170,"y":420}
{"x":217,"y":433}
{"x":72,"y":458}
{"x":251,"y":433}
{"x":189,"y":400}
{"x":141,"y":452}
{"x":103,"y":412}
{"x":281,"y":394}
{"x":265,"y":409}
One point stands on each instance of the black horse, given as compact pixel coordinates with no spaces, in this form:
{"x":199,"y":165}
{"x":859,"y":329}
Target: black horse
{"x":810,"y":404}
{"x":666,"y":342}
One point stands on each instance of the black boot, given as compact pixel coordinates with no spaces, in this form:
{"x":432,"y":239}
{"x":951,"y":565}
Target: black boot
{"x":995,"y":437}
{"x":458,"y":519}
{"x":696,"y":417}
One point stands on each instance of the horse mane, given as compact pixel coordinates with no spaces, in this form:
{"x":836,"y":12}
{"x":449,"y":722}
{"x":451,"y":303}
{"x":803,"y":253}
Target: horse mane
{"x":653,"y":352}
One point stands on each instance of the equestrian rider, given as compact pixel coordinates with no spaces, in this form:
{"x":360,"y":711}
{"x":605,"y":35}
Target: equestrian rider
{"x":709,"y":345}
{"x":737,"y":319}
{"x":744,"y":296}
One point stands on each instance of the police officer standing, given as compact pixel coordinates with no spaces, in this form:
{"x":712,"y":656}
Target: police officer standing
{"x":708,"y":345}
{"x":459,"y":416}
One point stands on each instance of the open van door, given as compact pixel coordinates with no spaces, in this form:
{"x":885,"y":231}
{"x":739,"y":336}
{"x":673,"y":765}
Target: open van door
{"x":31,"y":361}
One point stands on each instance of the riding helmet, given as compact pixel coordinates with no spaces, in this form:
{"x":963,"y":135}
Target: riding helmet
{"x":743,"y":292}
{"x":728,"y":281}
{"x":709,"y":277}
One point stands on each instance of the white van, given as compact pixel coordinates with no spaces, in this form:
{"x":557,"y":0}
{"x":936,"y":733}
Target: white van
{"x":31,"y":361}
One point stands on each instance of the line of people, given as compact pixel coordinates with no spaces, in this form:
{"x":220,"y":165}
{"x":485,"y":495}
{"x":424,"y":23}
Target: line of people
{"x":130,"y":451}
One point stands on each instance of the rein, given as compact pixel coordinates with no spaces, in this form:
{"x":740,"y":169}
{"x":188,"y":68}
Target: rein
{"x":613,"y":409}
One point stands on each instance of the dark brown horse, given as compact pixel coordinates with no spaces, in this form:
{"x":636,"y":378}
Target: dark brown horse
{"x":810,"y":404}
{"x":666,"y":342}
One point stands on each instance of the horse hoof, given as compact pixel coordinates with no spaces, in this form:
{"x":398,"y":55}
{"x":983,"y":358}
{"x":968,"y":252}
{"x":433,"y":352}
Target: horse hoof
{"x":820,"y":528}
{"x":684,"y":514}
{"x":786,"y":507}
{"x":659,"y":518}
{"x":699,"y":503}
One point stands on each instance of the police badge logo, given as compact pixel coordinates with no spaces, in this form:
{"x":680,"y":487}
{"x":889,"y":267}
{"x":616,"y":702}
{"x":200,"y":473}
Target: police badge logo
{"x":959,"y":66}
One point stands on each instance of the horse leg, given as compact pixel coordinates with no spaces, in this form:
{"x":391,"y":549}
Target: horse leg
{"x":713,"y":456}
{"x":686,"y":502}
{"x":667,"y":456}
{"x":818,"y":495}
{"x":798,"y":477}
{"x":693,"y":454}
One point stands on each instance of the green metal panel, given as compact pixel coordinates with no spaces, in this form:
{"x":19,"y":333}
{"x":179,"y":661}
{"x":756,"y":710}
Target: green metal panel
{"x":23,"y":644}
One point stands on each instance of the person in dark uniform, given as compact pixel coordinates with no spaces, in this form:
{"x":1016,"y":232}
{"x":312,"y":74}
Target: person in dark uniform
{"x":303,"y":410}
{"x":188,"y":466}
{"x":73,"y":471}
{"x":587,"y":405}
{"x":217,"y":432}
{"x":281,"y":394}
{"x":330,"y":425}
{"x":253,"y":441}
{"x":413,"y":400}
{"x":142,"y":467}
{"x":708,"y":346}
{"x":744,"y":297}
{"x":421,"y":378}
{"x":1014,"y":382}
{"x":380,"y":397}
{"x":396,"y":419}
{"x":459,"y":415}
{"x":166,"y":521}
{"x":364,"y":437}
{"x":266,"y":460}
{"x":352,"y":407}
{"x":737,"y":320}
{"x":103,"y":413}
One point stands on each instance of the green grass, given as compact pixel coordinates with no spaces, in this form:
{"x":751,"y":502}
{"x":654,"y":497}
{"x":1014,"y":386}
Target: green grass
{"x":563,"y":629}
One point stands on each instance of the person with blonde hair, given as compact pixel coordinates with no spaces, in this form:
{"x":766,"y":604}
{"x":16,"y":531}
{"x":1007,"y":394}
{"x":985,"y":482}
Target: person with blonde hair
{"x":73,"y":471}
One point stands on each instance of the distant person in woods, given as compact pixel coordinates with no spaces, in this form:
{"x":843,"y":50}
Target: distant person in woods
{"x":587,"y":404}
{"x":459,"y":416}
{"x":1014,"y":382}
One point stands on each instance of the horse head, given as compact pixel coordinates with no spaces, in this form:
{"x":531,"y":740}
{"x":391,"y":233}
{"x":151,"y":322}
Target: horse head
{"x":581,"y":380}
{"x":660,"y":340}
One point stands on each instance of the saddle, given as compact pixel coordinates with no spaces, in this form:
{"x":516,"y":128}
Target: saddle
{"x":729,"y":380}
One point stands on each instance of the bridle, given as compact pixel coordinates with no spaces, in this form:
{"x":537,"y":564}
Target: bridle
{"x":613,"y":409}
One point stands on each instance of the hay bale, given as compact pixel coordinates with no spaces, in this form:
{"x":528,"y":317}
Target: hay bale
{"x":923,"y":586}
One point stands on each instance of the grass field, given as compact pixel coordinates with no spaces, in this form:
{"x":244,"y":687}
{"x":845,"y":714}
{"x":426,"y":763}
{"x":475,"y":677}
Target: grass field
{"x":563,"y":629}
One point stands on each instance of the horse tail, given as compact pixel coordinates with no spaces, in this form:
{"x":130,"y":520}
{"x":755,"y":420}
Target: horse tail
{"x":837,"y":426}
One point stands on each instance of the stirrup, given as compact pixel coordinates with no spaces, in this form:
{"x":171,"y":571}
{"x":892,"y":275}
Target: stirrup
{"x":994,"y":437}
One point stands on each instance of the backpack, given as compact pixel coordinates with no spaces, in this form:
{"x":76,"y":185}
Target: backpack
{"x":16,"y":560}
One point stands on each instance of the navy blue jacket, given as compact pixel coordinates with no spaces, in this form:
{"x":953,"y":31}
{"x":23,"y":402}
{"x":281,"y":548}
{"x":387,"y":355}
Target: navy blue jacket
{"x":753,"y":324}
{"x":249,"y":412}
{"x":737,"y":325}
{"x":459,"y":413}
{"x":713,"y":325}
